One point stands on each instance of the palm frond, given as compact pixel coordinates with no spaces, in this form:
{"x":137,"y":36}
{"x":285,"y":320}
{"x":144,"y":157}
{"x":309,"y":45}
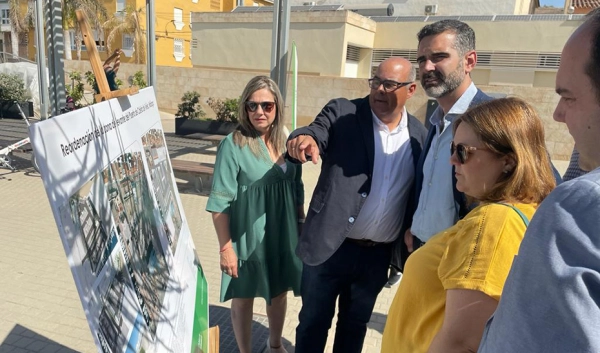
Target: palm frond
{"x":127,"y":22}
{"x":17,"y":17}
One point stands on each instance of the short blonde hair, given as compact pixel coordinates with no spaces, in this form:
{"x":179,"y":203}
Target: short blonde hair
{"x":511,"y":127}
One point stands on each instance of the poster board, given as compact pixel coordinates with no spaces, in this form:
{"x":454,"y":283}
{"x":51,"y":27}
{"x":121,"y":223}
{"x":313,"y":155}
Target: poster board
{"x":108,"y":177}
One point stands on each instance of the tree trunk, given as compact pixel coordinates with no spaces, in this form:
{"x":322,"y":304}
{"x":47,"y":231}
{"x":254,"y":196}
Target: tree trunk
{"x":67,"y":36}
{"x":78,"y":40}
{"x":14,"y":41}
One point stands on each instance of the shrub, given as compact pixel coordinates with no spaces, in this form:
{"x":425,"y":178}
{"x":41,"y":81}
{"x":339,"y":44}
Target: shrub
{"x":75,"y":89}
{"x":12,"y":88}
{"x":139,"y":80}
{"x":190,"y":106}
{"x":90,"y":78}
{"x":225,"y":110}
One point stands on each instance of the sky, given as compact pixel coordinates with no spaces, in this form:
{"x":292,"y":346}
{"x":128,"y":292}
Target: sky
{"x":555,"y":3}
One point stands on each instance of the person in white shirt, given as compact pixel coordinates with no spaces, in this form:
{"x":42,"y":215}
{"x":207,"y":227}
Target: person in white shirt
{"x":369,"y":149}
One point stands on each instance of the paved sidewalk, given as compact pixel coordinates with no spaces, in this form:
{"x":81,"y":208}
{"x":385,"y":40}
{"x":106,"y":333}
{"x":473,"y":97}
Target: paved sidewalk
{"x":40,"y":310}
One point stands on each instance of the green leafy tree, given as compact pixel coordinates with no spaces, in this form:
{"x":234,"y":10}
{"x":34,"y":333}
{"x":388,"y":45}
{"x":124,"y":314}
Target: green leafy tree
{"x":139,"y":80}
{"x":76,"y":89}
{"x":12,"y":88}
{"x":190,"y":106}
{"x":225,"y":110}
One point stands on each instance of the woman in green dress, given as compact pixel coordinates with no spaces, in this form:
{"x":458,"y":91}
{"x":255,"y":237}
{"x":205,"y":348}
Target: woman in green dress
{"x":257,"y":201}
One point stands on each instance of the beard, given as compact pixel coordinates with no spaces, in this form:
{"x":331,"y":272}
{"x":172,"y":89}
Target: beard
{"x":445,"y":84}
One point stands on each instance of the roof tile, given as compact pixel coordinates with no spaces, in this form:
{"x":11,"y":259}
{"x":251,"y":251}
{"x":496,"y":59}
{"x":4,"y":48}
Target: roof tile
{"x":585,"y":3}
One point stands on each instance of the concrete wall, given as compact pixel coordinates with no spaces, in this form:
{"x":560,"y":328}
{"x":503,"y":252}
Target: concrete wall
{"x":524,"y":36}
{"x":314,"y":92}
{"x":496,"y":36}
{"x":243,"y":40}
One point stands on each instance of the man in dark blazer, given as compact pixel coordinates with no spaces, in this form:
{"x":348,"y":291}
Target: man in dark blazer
{"x":369,"y":149}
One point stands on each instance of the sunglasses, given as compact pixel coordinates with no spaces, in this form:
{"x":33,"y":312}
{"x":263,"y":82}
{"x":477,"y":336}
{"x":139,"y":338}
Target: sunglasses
{"x":267,"y":107}
{"x":462,"y":151}
{"x":388,"y":85}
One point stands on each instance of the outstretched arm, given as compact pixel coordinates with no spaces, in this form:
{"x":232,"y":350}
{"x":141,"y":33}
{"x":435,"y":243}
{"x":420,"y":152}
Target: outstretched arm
{"x":115,"y":55}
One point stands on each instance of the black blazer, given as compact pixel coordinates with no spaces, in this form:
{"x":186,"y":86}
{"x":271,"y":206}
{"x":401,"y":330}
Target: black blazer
{"x":344,"y":133}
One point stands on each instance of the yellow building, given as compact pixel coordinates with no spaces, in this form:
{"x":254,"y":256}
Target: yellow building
{"x":173,"y":29}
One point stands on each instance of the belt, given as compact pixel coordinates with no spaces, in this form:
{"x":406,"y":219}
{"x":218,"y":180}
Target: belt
{"x":364,"y":242}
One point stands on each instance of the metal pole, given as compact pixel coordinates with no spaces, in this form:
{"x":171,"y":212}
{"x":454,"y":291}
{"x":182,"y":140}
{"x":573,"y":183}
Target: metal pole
{"x":283,"y":46}
{"x":275,"y":42}
{"x":151,"y":40}
{"x":55,"y":42}
{"x":279,"y":43}
{"x":41,"y":59}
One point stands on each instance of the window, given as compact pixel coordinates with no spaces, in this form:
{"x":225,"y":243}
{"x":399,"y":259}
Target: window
{"x":127,"y":42}
{"x":178,"y":18}
{"x":352,"y":53}
{"x":178,"y":49}
{"x":100,"y":45}
{"x":484,"y":59}
{"x":127,"y":45}
{"x":120,"y":5}
{"x":193,"y":45}
{"x":73,"y":40}
{"x":551,"y":61}
{"x":352,"y":59}
{"x":5,"y":17}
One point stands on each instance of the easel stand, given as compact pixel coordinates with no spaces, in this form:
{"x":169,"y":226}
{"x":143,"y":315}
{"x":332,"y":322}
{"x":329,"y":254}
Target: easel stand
{"x":105,"y":94}
{"x":90,"y":44}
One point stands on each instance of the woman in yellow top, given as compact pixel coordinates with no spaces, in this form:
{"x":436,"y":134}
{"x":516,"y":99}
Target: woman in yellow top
{"x":452,"y":285}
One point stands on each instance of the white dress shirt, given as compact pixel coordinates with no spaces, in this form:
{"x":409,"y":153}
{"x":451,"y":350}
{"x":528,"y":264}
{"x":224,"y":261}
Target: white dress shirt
{"x":382,"y":214}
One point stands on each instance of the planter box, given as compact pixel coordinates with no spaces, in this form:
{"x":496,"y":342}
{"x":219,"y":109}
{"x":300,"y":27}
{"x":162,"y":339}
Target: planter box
{"x":10,"y":110}
{"x":185,"y":126}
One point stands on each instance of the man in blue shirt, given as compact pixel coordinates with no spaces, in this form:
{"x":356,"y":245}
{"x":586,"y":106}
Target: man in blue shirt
{"x":551,"y":298}
{"x":446,"y":57}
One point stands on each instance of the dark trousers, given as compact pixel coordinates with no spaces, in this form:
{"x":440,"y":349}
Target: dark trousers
{"x":400,"y":253}
{"x":417,"y":243}
{"x":354,"y":273}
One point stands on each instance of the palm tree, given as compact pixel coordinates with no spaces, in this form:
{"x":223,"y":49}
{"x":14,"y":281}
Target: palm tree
{"x":128,"y":22}
{"x":20,"y":22}
{"x":94,"y":11}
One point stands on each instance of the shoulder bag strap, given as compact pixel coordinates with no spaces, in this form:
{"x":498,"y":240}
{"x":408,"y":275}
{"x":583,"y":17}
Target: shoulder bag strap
{"x":523,"y":217}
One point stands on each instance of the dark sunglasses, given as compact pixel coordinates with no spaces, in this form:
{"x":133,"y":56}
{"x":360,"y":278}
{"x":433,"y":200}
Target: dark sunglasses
{"x":267,"y":107}
{"x":462,"y":151}
{"x":388,"y":85}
